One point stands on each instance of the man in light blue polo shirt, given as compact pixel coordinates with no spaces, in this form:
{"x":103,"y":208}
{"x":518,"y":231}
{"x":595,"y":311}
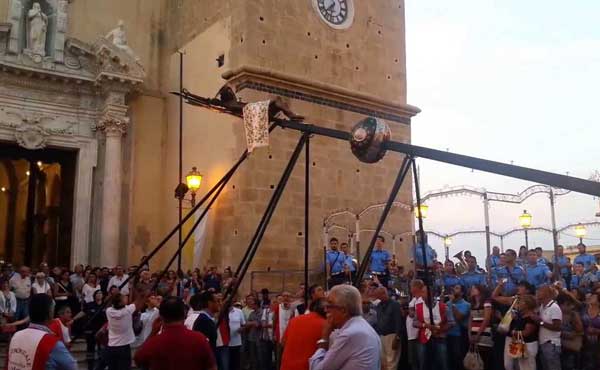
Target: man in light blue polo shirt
{"x":335,"y":264}
{"x":584,"y":258}
{"x":540,"y":256}
{"x":379,"y":260}
{"x":538,"y":274}
{"x":458,"y":318}
{"x":473,"y":276}
{"x":349,"y":263}
{"x":563,"y":264}
{"x":430,"y":256}
{"x":494,"y":260}
{"x":511,"y":274}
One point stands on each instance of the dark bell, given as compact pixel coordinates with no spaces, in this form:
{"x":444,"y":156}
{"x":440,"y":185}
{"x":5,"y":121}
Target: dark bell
{"x":368,"y":138}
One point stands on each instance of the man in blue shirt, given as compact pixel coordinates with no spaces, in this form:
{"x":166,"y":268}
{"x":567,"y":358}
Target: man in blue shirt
{"x":349,"y":263}
{"x":379,"y":260}
{"x":458,"y":311}
{"x":510,"y":274}
{"x":563,"y":264}
{"x":494,"y":260}
{"x":450,"y":278}
{"x":335,"y":264}
{"x":473,"y":276}
{"x":585,"y":258}
{"x":540,"y":256}
{"x":538,"y":274}
{"x":494,"y":270}
{"x":583,"y":280}
{"x":430,"y":257}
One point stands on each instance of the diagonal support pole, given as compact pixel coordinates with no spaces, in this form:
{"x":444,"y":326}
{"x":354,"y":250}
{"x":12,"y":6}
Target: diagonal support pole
{"x":262,"y":227}
{"x":404,"y":168}
{"x":428,"y":280}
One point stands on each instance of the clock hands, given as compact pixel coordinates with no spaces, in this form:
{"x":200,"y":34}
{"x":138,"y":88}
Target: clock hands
{"x":328,"y":4}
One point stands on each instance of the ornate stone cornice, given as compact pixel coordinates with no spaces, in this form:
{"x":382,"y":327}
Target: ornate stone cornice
{"x":295,"y":87}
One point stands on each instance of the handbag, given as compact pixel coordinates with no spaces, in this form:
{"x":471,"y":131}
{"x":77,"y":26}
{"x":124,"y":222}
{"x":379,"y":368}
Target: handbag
{"x":504,"y":325}
{"x":472,"y":360}
{"x":517,"y":348}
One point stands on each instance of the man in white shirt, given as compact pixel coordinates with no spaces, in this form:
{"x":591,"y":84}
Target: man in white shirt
{"x":120,"y":330}
{"x":354,"y":345}
{"x":236,"y":325}
{"x":416,"y":290}
{"x":77,"y":280}
{"x":196,"y":305}
{"x":20,"y":283}
{"x":147,"y":318}
{"x":118,"y":280}
{"x":550,"y":321}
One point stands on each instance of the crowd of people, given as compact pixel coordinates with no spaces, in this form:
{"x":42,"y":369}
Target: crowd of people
{"x":517,"y":311}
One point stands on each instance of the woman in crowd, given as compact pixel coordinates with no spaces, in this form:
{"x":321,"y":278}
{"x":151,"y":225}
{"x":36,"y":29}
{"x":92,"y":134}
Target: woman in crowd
{"x":41,"y":285}
{"x":571,"y":332}
{"x":480,"y":322}
{"x":95,"y":315}
{"x":523,"y":326}
{"x":8,"y":303}
{"x":195,"y":282}
{"x":591,"y":323}
{"x":63,"y":291}
{"x":89,"y":288}
{"x":227,"y":278}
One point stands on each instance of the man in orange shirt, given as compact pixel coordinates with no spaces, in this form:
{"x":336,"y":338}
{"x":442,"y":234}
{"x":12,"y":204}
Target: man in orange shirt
{"x":301,"y":336}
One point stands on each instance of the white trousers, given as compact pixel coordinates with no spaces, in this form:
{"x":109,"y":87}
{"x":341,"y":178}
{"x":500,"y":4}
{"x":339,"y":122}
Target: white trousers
{"x":527,"y":363}
{"x":389,"y":356}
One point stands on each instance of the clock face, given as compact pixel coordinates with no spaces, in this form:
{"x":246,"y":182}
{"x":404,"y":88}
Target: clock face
{"x":338,"y":14}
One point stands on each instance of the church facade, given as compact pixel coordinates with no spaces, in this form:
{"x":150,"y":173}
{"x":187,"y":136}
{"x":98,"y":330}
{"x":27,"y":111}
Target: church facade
{"x":90,"y":131}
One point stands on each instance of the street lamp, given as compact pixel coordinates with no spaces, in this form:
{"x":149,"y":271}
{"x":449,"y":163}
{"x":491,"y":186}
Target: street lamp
{"x":580,"y":232}
{"x":447,"y":244}
{"x":193,"y":180}
{"x":422,"y":210}
{"x":525,"y":220}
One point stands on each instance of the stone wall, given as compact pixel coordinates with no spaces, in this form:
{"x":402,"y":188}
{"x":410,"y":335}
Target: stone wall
{"x":292,"y":49}
{"x":366,"y":60}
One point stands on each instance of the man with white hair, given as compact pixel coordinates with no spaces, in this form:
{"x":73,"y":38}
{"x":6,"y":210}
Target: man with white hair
{"x":354,"y":345}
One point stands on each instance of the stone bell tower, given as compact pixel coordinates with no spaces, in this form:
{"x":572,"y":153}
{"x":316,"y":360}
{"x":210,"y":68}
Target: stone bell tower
{"x":334,"y":62}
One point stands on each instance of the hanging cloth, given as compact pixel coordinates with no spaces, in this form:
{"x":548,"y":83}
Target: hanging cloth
{"x":256,"y":124}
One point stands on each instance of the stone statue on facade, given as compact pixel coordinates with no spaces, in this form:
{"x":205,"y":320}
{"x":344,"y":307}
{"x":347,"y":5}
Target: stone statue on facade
{"x":119,"y":39}
{"x":15,"y":15}
{"x":38,"y":27}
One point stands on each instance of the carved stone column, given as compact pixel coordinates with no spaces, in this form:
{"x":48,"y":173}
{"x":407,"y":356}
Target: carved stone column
{"x":113,"y":128}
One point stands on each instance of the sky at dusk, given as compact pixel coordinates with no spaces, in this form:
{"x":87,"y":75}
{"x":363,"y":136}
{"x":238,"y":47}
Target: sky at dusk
{"x":508,"y":81}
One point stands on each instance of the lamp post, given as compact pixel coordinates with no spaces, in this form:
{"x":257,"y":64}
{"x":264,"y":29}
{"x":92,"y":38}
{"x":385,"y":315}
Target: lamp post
{"x":422,"y":210}
{"x":580,"y":232}
{"x":525,"y":220}
{"x":447,"y":244}
{"x":193,"y":180}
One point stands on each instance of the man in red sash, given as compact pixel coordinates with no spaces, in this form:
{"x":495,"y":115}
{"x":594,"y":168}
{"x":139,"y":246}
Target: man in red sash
{"x":36,"y":348}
